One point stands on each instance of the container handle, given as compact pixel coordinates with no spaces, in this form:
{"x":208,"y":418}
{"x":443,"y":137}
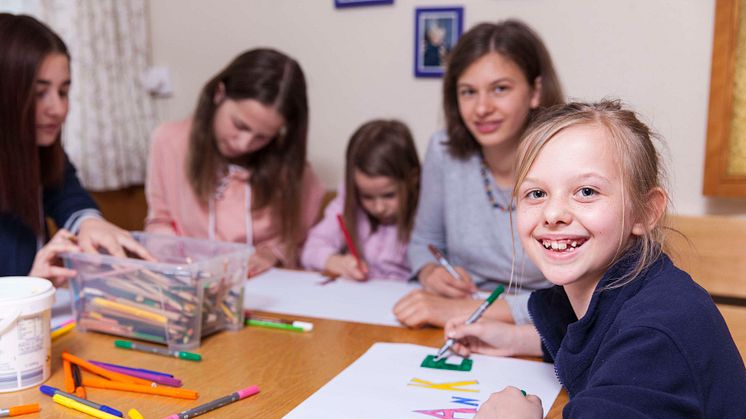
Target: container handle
{"x":8,"y":320}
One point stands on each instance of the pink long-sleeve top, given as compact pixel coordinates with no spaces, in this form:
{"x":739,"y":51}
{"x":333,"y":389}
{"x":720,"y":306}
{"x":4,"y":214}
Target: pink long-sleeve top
{"x":382,"y":250}
{"x":174,"y":208}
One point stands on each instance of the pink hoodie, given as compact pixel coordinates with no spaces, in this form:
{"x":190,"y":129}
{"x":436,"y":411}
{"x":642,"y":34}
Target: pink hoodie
{"x":173,"y":208}
{"x":385,"y":255}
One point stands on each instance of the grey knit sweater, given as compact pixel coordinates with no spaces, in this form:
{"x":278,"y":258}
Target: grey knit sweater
{"x":455,"y":215}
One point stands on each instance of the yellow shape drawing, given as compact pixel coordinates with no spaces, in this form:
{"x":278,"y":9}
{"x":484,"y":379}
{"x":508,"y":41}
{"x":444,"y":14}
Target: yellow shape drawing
{"x":453,"y":386}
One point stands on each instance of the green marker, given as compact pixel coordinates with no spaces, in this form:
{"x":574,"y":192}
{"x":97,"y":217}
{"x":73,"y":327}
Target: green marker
{"x":274,"y":325}
{"x":125,"y":344}
{"x":474,"y":317}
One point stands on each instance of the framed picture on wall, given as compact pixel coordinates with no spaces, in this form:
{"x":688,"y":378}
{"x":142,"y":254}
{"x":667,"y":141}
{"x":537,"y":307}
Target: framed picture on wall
{"x":353,"y":3}
{"x":436,"y":31}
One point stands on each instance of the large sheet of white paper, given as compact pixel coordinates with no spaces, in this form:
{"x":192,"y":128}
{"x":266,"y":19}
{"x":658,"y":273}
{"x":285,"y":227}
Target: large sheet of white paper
{"x":388,"y":382}
{"x":302,"y":293}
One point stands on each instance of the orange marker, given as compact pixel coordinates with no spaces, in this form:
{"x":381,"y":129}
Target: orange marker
{"x":19,"y":410}
{"x":68,"y":374}
{"x":115,"y":376}
{"x":152,"y":388}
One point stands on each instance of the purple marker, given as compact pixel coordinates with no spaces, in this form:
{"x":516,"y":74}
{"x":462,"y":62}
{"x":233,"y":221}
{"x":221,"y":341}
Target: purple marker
{"x":240,"y":394}
{"x":160,"y":379}
{"x":106,"y":364}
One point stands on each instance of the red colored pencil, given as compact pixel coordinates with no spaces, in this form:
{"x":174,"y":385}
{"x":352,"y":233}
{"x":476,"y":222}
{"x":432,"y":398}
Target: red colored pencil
{"x":350,"y":244}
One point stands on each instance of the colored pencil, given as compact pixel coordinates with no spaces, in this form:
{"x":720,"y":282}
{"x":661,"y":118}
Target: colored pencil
{"x":61,"y":330}
{"x":350,"y":243}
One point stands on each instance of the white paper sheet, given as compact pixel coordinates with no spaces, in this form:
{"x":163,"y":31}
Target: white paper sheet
{"x":301,"y":293}
{"x":387,"y":382}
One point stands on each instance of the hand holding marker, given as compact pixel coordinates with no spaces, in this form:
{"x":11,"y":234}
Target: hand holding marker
{"x":474,"y":317}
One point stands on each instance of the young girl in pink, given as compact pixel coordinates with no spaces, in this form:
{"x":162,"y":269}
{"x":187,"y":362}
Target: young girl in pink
{"x":236,"y":170}
{"x":377,"y":202}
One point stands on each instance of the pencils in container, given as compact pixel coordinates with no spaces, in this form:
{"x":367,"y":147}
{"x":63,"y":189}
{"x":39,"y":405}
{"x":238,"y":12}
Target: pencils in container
{"x":350,"y":243}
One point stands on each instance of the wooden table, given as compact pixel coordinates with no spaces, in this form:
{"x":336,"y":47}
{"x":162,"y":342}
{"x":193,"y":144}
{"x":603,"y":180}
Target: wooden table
{"x":288,"y":367}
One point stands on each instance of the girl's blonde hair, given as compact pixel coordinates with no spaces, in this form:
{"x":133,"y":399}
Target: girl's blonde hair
{"x":383,"y":148}
{"x":638,"y":159}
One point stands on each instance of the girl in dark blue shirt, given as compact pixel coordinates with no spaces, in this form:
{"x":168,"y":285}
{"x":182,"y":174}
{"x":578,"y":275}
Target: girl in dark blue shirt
{"x":630,"y":334}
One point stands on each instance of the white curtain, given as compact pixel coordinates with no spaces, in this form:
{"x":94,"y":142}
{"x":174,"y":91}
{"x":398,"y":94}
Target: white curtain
{"x":111,"y":115}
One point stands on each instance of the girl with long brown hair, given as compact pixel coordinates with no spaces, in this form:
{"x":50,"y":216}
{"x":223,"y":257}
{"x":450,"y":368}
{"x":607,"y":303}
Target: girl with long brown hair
{"x":36,"y":178}
{"x":236,"y":170}
{"x":377,"y":202}
{"x":498,"y":76}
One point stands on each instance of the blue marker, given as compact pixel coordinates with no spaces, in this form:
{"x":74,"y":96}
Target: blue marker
{"x":51,"y":391}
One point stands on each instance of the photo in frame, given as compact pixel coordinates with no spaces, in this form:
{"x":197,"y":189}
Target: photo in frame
{"x":356,"y":3}
{"x":437,"y":29}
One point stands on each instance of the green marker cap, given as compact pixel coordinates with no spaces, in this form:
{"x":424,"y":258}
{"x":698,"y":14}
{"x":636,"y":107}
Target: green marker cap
{"x":123,"y":344}
{"x":496,"y":293}
{"x":190,"y":356}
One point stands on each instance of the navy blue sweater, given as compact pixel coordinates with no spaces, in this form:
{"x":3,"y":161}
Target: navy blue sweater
{"x":62,"y":203}
{"x":654,"y":348}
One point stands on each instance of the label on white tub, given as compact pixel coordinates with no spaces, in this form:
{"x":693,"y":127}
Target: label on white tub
{"x":25,"y":354}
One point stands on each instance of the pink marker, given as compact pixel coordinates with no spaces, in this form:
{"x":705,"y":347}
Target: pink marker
{"x":240,"y":394}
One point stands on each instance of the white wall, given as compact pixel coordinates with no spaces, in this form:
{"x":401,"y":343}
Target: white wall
{"x":653,"y":54}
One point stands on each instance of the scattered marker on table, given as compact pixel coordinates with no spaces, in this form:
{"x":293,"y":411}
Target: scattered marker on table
{"x":274,"y":325}
{"x":215,"y":404}
{"x":51,"y":391}
{"x":19,"y":410}
{"x":125,"y":344}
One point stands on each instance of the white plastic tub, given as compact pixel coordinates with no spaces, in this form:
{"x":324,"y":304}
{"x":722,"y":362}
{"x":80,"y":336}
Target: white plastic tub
{"x":25,"y":343}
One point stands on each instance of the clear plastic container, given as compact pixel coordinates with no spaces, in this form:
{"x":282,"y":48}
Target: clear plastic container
{"x":194,"y":289}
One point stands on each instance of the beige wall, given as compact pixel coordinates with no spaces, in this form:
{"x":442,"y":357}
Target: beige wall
{"x":654,"y":54}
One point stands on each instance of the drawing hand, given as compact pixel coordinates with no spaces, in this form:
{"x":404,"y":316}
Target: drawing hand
{"x":436,"y":279}
{"x":347,"y":266}
{"x":511,"y":403}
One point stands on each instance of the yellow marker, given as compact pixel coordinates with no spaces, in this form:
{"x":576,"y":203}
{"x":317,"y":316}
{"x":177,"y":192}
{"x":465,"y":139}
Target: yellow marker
{"x":62,"y":330}
{"x":80,"y":407}
{"x":129,"y":310}
{"x":134,"y":414}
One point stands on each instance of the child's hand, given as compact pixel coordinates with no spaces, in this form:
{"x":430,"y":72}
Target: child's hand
{"x":492,"y":337}
{"x":436,"y":279}
{"x":97,"y":233}
{"x":47,"y":263}
{"x":261,"y":260}
{"x":347,"y":266}
{"x":420,"y":308}
{"x":511,"y":403}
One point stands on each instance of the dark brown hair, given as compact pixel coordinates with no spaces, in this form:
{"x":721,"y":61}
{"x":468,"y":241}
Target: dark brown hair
{"x":24,"y":44}
{"x":513,"y":40}
{"x":275,"y":80}
{"x":383,"y":148}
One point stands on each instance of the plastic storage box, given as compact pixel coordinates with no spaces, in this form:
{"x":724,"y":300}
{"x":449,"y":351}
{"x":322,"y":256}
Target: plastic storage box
{"x":194,"y":289}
